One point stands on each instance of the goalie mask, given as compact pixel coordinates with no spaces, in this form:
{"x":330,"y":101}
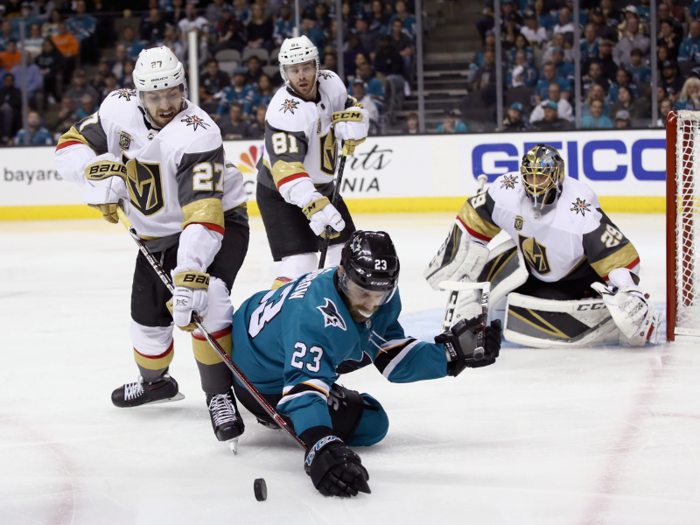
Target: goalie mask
{"x":542,"y":170}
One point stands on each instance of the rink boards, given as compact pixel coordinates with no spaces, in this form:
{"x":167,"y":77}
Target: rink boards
{"x":417,"y":173}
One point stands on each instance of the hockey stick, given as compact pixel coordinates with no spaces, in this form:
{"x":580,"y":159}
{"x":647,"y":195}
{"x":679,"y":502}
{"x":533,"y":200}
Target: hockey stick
{"x":456,"y":287}
{"x":336,"y":192}
{"x":454,"y":293}
{"x":210,"y":339}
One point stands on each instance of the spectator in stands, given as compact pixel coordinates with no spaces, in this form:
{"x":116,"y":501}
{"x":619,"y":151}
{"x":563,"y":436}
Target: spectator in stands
{"x":407,"y":19}
{"x":641,"y":74}
{"x":379,"y":17}
{"x":214,"y":12}
{"x":510,"y":31}
{"x":604,"y":30}
{"x":551,"y":120}
{"x":451,"y":123}
{"x":79,"y":88}
{"x":153,"y":28}
{"x":254,"y":67}
{"x":82,"y":26}
{"x":690,"y":47}
{"x":550,"y":76}
{"x":26,"y":16}
{"x":264,"y":92}
{"x":627,"y":101}
{"x":412,"y":125}
{"x":32,"y":76}
{"x":605,"y":59}
{"x":622,"y":120}
{"x":322,"y":16}
{"x":213,"y":78}
{"x":564,"y":109}
{"x":613,"y":15}
{"x":483,"y":87}
{"x":172,"y":41}
{"x":544,"y":17}
{"x":36,"y":134}
{"x":372,"y":85}
{"x":665,"y":107}
{"x":260,"y":28}
{"x":521,"y":44}
{"x":347,"y":16}
{"x":241,"y":11}
{"x":133,"y":47}
{"x":309,"y":29}
{"x":110,"y":85}
{"x":669,"y":38}
{"x":256,"y":130}
{"x":623,"y":79}
{"x":206,"y":101}
{"x":230,"y":33}
{"x":64,"y":119}
{"x":120,"y":58}
{"x":557,"y":42}
{"x":582,"y":15}
{"x":368,"y":37}
{"x":595,"y":93}
{"x":521,"y":74}
{"x":596,"y":119}
{"x":49,"y":29}
{"x":632,"y":39}
{"x":284,"y":27}
{"x":5,"y":34}
{"x":330,"y":62}
{"x":565,"y":26}
{"x":234,"y":127}
{"x":127,"y":80}
{"x":238,"y":92}
{"x":50,"y":63}
{"x":367,"y":101}
{"x":589,"y":44}
{"x":176,"y":12}
{"x":689,"y":99}
{"x":87,"y":107}
{"x":675,"y":11}
{"x":387,"y":61}
{"x":98,"y":80}
{"x":10,"y":108}
{"x":671,"y":81}
{"x":535,"y":35}
{"x":403,"y":45}
{"x":11,"y":56}
{"x":34,"y":42}
{"x":564,"y":69}
{"x":514,"y":120}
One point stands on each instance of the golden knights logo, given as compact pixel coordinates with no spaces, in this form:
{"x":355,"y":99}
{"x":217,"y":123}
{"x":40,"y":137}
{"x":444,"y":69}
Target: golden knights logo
{"x":329,"y":152}
{"x":145,"y":183}
{"x":289,"y":105}
{"x":124,"y":93}
{"x":195,"y":122}
{"x":509,"y":182}
{"x":518,"y":225}
{"x":580,"y":206}
{"x":124,"y":140}
{"x":535,"y":254}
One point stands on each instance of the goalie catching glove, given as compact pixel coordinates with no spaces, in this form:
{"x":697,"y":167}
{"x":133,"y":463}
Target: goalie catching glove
{"x":459,"y":256}
{"x":351,"y":126}
{"x":471,"y":345}
{"x":189,"y":297}
{"x":631,"y":310}
{"x":105,"y":185}
{"x":335,"y":470}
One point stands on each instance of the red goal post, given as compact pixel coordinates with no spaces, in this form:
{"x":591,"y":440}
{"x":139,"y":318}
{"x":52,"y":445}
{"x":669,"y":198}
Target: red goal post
{"x":682,"y":205}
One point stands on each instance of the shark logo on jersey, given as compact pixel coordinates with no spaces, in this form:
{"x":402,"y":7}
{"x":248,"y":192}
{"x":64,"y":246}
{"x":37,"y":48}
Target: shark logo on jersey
{"x":535,"y":254}
{"x":289,"y":105}
{"x":509,"y":182}
{"x":195,"y":122}
{"x":331,"y":317}
{"x":124,"y":93}
{"x":580,"y":206}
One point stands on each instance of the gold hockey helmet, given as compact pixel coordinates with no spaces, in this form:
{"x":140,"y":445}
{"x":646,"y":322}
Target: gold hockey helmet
{"x":542,"y":170}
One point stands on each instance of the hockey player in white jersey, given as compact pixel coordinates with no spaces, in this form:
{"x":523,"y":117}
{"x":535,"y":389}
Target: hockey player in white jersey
{"x":563,"y":249}
{"x":162,"y":158}
{"x":296,"y":172}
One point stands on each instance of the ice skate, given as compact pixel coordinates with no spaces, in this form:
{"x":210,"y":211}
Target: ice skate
{"x":142,"y":392}
{"x":225,"y":419}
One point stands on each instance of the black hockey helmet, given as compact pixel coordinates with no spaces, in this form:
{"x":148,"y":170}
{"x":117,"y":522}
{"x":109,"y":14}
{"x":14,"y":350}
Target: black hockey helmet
{"x":542,"y":162}
{"x":369,"y":261}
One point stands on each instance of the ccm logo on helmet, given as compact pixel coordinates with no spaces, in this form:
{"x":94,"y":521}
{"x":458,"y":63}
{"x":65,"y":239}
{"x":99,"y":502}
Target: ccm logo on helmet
{"x":352,"y":116}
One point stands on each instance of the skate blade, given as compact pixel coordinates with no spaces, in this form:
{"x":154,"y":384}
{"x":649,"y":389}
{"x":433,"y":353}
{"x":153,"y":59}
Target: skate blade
{"x":233,"y":445}
{"x":177,"y":397}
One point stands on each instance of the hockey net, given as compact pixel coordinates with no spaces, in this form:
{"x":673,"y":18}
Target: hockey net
{"x":682,"y":229}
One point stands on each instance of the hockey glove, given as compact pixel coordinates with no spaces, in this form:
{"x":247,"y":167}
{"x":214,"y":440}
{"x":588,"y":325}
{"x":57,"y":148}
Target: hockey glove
{"x":631,"y":310}
{"x":322,"y":213}
{"x":190,"y":297}
{"x":459,"y":256}
{"x":469,"y":344}
{"x":105,"y":185}
{"x":351,"y":126}
{"x":335,"y":470}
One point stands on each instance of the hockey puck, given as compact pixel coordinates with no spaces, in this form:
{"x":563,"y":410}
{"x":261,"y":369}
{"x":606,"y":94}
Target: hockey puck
{"x":260,"y":489}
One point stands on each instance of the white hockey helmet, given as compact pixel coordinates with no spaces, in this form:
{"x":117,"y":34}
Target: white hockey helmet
{"x":297,"y":51}
{"x":158,"y":68}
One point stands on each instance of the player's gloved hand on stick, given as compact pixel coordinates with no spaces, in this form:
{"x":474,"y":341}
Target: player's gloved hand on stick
{"x":335,"y":470}
{"x":190,"y":297}
{"x":631,"y":309}
{"x":351,"y":126}
{"x":469,"y":344}
{"x":105,"y":185}
{"x":322,"y":213}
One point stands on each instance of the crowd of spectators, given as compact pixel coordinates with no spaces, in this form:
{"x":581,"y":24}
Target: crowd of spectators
{"x":78,"y":51}
{"x":537,"y":38}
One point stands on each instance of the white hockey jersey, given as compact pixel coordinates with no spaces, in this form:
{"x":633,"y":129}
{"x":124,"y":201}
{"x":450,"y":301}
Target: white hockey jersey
{"x":181,"y":175}
{"x":299,"y":138}
{"x":559,"y":245}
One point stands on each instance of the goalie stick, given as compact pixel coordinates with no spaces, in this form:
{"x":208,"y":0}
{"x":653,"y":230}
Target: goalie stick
{"x":454,"y":293}
{"x":210,"y":339}
{"x":336,"y":192}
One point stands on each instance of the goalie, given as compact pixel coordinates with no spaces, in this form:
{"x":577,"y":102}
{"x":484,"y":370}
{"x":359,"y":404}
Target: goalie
{"x":562,"y":250}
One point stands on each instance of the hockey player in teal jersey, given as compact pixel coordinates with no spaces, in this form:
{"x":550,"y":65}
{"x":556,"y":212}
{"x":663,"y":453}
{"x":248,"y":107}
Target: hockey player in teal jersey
{"x":293,"y":343}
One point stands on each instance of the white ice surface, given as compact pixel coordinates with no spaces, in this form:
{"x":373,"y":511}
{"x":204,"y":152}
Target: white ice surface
{"x":578,"y":437}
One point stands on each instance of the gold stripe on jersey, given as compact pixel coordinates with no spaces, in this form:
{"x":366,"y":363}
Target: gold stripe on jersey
{"x":72,"y":135}
{"x":620,"y":259}
{"x":209,"y":211}
{"x":281,"y":170}
{"x":205,"y":354}
{"x":473,"y":221}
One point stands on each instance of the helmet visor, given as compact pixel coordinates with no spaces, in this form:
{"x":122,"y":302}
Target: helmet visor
{"x":162,"y":98}
{"x":362,"y":298}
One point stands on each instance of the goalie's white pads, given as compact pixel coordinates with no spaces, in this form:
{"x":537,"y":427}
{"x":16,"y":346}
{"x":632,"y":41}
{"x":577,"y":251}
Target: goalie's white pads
{"x":458,"y":257}
{"x":631,"y":310}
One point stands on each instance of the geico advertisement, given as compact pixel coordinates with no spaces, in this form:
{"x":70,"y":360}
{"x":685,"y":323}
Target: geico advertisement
{"x":613,"y":163}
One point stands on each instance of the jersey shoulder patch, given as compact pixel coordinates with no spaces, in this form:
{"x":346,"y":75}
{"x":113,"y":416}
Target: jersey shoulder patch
{"x":288,"y":112}
{"x":507,"y":190}
{"x":121,"y":108}
{"x":192,"y":131}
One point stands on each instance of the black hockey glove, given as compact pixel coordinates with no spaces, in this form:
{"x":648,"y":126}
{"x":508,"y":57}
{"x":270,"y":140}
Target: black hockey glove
{"x":470,"y":345}
{"x":335,"y":470}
